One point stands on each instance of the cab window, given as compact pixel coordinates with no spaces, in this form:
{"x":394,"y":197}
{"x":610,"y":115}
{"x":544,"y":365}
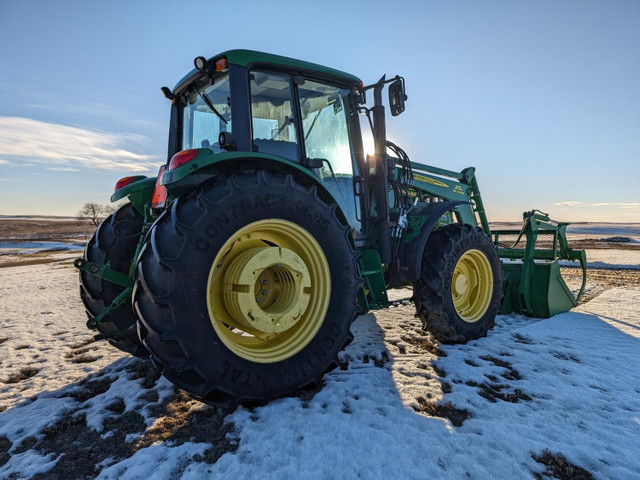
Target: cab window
{"x":272,"y":118}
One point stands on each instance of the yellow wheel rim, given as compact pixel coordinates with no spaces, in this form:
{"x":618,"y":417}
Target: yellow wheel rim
{"x":268,"y":290}
{"x":472,"y":285}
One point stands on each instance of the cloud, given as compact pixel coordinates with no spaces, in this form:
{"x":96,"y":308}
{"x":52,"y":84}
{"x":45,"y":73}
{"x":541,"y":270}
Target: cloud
{"x":617,"y":204}
{"x":62,"y":146}
{"x":63,"y":169}
{"x":4,"y":162}
{"x":623,"y":205}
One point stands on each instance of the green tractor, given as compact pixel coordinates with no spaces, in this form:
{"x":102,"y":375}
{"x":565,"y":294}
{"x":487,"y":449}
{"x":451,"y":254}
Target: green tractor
{"x":240,"y":267}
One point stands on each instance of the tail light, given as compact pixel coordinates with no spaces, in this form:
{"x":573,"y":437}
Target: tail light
{"x":181,"y":158}
{"x":123,"y":182}
{"x":159,"y":197}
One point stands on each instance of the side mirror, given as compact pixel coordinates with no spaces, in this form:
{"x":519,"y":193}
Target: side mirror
{"x":397,"y":97}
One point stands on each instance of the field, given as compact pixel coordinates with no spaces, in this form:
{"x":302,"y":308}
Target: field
{"x":555,"y":398}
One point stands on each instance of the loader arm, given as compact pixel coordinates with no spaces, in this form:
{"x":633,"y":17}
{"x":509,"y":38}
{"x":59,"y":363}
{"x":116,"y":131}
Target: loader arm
{"x":533,"y":284}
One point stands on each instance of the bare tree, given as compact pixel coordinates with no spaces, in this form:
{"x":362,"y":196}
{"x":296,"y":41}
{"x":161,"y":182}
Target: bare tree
{"x":94,"y":212}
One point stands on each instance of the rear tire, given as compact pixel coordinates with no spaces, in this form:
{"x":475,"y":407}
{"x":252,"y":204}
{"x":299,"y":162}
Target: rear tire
{"x":197,"y":294}
{"x":460,"y":289}
{"x":114,"y":242}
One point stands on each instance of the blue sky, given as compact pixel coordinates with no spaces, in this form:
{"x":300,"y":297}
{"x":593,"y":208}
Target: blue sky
{"x":543,"y":98}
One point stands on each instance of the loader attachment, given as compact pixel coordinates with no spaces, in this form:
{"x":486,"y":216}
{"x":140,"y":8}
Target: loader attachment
{"x":533,"y":284}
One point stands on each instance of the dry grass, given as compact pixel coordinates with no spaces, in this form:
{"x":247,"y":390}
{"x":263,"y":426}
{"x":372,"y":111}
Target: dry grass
{"x":23,"y":374}
{"x":557,"y":466}
{"x":447,"y":410}
{"x":5,"y":446}
{"x":178,"y":420}
{"x":45,"y":230}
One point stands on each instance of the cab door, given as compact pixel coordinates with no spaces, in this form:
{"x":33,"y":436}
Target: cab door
{"x":324,"y":111}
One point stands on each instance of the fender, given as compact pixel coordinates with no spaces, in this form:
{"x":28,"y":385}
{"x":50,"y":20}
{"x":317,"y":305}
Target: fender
{"x":410,"y":254}
{"x":206,"y":164}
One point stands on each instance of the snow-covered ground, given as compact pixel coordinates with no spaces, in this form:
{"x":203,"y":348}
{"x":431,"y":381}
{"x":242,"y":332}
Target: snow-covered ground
{"x":21,"y":248}
{"x":399,"y":407}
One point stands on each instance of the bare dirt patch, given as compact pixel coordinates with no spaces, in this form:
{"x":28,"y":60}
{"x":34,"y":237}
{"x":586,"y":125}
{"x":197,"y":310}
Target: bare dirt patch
{"x":82,"y":355}
{"x":604,"y":243}
{"x":23,"y":374}
{"x":76,"y":232}
{"x":600,"y":280}
{"x":84,"y":358}
{"x":147,"y":371}
{"x":447,"y":410}
{"x":91,"y":388}
{"x":5,"y":446}
{"x":179,"y":422}
{"x":82,"y":452}
{"x":495,"y":391}
{"x":557,"y":466}
{"x":79,"y":448}
{"x":45,"y":230}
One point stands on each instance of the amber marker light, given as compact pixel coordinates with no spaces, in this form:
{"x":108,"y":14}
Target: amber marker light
{"x":181,"y":158}
{"x":222,"y":64}
{"x":159,"y":197}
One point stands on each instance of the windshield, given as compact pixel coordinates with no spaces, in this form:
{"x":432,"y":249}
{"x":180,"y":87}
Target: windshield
{"x":201,"y":124}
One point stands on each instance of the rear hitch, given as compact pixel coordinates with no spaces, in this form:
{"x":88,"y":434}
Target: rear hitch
{"x":104,"y":271}
{"x":94,"y":323}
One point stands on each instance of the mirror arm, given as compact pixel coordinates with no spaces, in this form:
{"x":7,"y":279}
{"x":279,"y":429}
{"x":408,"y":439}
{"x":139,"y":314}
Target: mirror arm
{"x":384,"y":82}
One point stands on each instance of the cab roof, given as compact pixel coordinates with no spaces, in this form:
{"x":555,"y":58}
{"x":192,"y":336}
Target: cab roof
{"x":247,"y":58}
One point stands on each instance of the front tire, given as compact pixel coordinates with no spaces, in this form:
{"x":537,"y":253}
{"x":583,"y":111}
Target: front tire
{"x":459,"y":291}
{"x":207,"y":312}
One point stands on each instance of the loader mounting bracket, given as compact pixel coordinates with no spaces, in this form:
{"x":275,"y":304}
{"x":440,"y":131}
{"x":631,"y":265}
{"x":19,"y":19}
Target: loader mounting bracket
{"x":410,"y":255}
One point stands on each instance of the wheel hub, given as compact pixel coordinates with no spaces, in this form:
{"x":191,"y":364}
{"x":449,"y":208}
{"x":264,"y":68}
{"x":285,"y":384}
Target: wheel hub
{"x":460,"y":284}
{"x":267,"y":289}
{"x":472,"y":285}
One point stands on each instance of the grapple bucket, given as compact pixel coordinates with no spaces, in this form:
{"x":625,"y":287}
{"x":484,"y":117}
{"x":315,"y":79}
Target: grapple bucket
{"x":533,"y":284}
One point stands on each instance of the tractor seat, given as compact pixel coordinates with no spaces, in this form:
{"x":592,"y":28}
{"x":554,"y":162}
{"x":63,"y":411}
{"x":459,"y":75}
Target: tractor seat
{"x":279,"y":148}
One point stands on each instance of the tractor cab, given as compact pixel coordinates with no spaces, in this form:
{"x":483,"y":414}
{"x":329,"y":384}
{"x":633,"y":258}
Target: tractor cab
{"x":303,"y":114}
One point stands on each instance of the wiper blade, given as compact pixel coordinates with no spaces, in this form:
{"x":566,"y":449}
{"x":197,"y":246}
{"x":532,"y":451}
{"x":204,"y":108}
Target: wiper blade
{"x":313,"y":122}
{"x":210,"y":105}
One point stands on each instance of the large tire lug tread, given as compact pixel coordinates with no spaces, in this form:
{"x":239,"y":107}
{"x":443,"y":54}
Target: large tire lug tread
{"x":114,"y":241}
{"x":196,"y":360}
{"x":432,"y":292}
